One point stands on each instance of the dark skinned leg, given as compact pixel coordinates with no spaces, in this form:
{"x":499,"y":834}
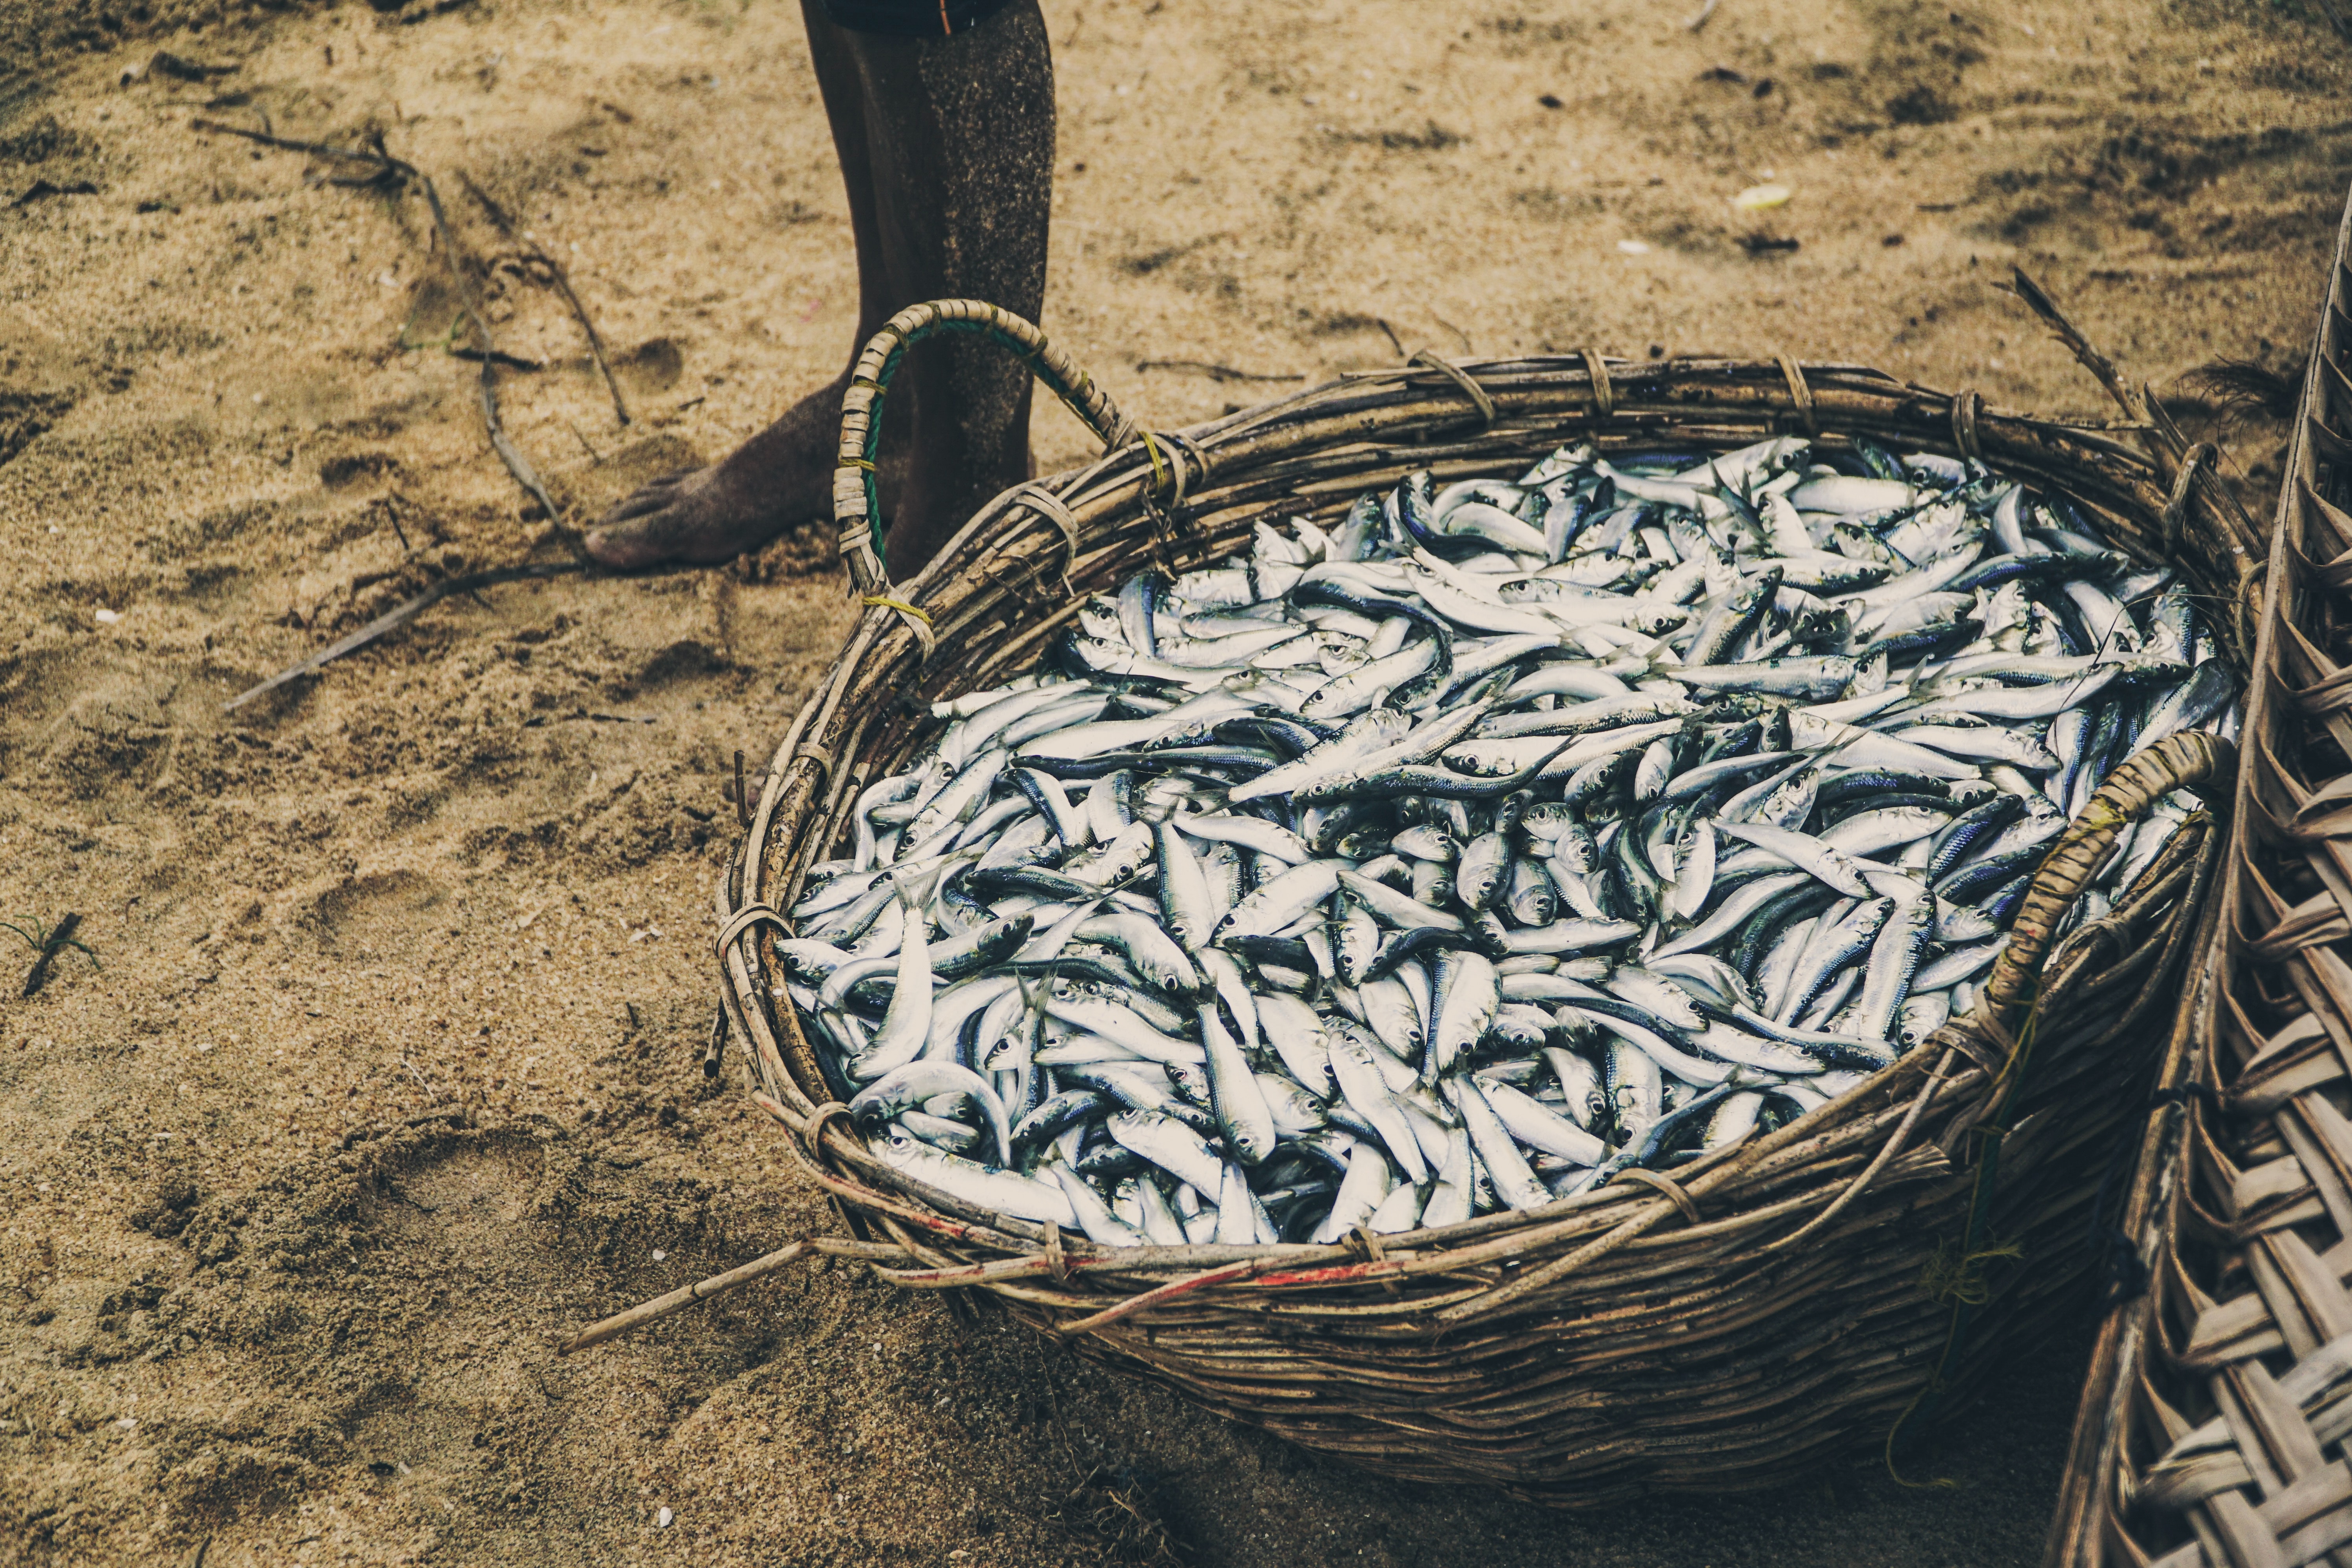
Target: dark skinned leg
{"x":960,"y":134}
{"x":783,"y":475}
{"x":947,"y":150}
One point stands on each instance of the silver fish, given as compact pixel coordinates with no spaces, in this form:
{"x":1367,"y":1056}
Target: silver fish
{"x":903,"y":1088}
{"x":1423,"y":848}
{"x":984,"y":1187}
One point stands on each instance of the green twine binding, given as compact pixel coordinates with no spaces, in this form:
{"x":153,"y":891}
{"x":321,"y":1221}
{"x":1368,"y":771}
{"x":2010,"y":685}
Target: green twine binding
{"x":1948,"y":1277}
{"x":1034,"y":356}
{"x":1957,"y":1274}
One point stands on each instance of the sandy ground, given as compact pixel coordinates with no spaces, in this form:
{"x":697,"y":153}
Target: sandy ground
{"x":387,"y":1073}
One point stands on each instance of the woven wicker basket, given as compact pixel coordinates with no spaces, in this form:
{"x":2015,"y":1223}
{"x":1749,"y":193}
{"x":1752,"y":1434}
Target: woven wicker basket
{"x":2240,"y":1224}
{"x":1719,"y":1330}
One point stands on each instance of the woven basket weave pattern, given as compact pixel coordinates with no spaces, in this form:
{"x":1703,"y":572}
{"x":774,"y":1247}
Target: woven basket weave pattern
{"x":2209,"y":1429}
{"x":1717,"y":1330}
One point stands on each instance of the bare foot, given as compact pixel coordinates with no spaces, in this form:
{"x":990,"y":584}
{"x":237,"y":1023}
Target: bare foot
{"x":780,"y":476}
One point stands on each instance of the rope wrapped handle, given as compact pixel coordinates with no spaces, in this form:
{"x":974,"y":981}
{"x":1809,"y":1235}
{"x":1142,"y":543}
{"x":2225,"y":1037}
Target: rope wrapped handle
{"x":2190,"y":760}
{"x":856,"y":498}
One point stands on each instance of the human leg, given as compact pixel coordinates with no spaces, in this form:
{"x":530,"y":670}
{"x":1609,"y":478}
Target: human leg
{"x":960,"y":135}
{"x":785,"y":473}
{"x":946,"y":147}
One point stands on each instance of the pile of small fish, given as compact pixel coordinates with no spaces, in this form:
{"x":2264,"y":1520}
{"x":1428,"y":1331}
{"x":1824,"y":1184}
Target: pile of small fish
{"x":1505,"y":836}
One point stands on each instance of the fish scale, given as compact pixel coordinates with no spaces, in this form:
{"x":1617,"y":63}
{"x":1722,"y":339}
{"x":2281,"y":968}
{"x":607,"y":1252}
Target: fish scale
{"x":1386,"y":875}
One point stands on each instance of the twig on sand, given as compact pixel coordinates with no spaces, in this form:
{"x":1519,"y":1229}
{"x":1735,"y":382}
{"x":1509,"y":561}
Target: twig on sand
{"x":2158,"y":434}
{"x":1213,"y":372}
{"x":700,"y":1290}
{"x":391,"y":168}
{"x":2102,"y":368}
{"x":498,"y":216}
{"x":512,"y":361}
{"x":661,"y":1307}
{"x":711,"y":1052}
{"x":1695,"y":23}
{"x":719,"y":1285}
{"x":507,"y":452}
{"x":383,"y":161}
{"x":400,"y":616}
{"x":47,"y":941}
{"x":179,"y":68}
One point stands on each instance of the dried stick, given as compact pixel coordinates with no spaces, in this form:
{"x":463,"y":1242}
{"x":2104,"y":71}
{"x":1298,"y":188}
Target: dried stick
{"x":498,"y":216}
{"x":1220,"y":373}
{"x":508,"y":453}
{"x":678,"y":1301}
{"x":2039,"y":302}
{"x":383,"y":161}
{"x":397,"y":168}
{"x":400,"y":616}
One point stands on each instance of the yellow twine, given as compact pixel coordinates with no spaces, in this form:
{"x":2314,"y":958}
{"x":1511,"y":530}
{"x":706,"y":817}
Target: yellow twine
{"x":1949,"y":1277}
{"x":1951,"y":1274}
{"x":2099,"y":817}
{"x":2018,"y":1044}
{"x":884,"y":601}
{"x":854,"y":463}
{"x":1935,"y":1484}
{"x":1151,"y":449}
{"x":1946,"y":1278}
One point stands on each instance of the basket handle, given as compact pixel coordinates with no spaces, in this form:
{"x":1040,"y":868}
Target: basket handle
{"x":2189,"y":760}
{"x":856,"y":499}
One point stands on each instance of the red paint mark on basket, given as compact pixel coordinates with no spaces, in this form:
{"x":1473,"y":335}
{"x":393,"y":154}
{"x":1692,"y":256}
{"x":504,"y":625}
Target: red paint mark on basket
{"x":1342,"y":1274}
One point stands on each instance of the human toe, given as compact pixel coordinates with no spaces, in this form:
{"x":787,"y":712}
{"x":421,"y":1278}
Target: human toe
{"x":628,"y":545}
{"x":647,"y":500}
